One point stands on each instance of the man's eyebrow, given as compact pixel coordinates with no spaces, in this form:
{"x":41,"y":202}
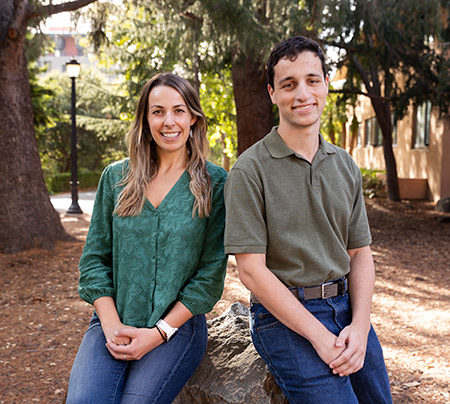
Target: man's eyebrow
{"x":288,"y":78}
{"x":284,"y":79}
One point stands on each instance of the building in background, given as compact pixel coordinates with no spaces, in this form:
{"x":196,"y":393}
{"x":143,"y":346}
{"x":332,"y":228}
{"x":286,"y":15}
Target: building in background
{"x":60,"y":29}
{"x":421,"y":143}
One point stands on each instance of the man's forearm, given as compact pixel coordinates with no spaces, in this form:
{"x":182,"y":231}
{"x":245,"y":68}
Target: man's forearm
{"x":361,"y":285}
{"x":282,"y":304}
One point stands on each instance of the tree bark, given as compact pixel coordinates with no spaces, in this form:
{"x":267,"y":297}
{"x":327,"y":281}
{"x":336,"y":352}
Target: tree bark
{"x":27,"y":217}
{"x":254,"y":113}
{"x":383,"y":113}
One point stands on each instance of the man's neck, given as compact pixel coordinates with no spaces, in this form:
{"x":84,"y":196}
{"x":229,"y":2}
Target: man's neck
{"x":303,"y":141}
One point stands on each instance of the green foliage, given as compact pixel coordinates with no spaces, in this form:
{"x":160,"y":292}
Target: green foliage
{"x":218,"y":104}
{"x":374,"y":183}
{"x":334,"y":119}
{"x":196,"y":39}
{"x":392,"y":47}
{"x":60,"y":182}
{"x":100,"y":131}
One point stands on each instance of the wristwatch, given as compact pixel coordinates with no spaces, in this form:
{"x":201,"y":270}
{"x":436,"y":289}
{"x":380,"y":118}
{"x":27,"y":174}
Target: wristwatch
{"x":169,"y":331}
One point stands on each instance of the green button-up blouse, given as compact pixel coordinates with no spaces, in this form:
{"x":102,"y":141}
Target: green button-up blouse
{"x":148,"y":262}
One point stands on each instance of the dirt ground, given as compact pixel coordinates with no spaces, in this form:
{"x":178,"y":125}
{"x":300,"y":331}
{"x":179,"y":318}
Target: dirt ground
{"x":43,"y":319}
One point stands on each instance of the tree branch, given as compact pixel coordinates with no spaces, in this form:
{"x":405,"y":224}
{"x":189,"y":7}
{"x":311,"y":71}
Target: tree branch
{"x":362,"y":72}
{"x":17,"y":27}
{"x":51,"y":9}
{"x":359,"y":92}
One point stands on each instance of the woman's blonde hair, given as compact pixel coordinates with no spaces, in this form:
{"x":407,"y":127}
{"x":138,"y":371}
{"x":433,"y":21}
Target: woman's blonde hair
{"x":144,"y":161}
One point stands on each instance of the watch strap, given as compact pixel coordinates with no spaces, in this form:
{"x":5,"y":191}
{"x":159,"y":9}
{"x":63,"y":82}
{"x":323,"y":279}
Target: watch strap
{"x":168,"y":329}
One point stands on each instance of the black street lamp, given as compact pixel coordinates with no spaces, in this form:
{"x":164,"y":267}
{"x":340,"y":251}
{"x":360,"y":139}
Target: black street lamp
{"x":73,"y":70}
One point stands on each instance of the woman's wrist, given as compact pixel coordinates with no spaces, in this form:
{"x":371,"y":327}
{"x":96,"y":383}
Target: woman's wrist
{"x":161,"y":333}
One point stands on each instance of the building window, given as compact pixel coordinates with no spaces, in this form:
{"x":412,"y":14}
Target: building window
{"x":367,"y":130}
{"x":422,"y":125}
{"x":373,"y":135}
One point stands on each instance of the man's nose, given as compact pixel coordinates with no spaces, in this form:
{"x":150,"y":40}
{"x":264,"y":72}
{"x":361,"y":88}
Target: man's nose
{"x":301,"y":92}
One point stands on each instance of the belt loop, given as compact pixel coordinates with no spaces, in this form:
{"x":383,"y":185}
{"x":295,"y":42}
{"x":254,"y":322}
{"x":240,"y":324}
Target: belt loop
{"x":301,"y":295}
{"x":343,"y":286}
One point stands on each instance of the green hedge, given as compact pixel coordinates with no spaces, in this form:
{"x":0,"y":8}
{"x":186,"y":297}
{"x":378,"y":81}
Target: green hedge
{"x":60,"y":182}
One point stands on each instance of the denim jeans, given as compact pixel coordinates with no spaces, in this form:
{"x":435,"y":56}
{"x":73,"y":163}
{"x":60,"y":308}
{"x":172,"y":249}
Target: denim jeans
{"x":98,"y":378}
{"x":301,"y":373}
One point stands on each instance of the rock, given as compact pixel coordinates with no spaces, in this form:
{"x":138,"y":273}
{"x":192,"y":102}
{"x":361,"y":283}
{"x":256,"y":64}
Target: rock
{"x":231,"y":371}
{"x":443,"y":205}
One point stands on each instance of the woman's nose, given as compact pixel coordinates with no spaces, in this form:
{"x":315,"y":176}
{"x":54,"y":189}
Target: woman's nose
{"x":168,"y":119}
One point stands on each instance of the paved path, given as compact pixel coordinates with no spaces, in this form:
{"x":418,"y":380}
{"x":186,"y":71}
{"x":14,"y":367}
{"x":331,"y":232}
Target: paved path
{"x":61,"y":202}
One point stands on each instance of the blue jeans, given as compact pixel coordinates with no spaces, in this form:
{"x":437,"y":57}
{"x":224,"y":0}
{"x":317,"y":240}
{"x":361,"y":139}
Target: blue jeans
{"x":158,"y":377}
{"x":301,"y":373}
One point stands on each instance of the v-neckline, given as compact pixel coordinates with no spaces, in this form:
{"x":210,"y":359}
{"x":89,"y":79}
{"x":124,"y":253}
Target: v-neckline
{"x":168,"y":193}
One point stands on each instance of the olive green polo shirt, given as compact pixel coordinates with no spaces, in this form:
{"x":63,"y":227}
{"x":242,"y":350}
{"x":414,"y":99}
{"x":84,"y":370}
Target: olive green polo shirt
{"x":303,"y":216}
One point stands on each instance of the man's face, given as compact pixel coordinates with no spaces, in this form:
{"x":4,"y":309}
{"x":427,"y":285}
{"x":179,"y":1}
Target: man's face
{"x":300,"y":91}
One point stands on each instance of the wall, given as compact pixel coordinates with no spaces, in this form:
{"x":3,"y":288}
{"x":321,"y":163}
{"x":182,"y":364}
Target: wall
{"x":430,"y":163}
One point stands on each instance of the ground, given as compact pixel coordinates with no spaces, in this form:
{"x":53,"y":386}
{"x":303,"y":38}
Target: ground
{"x":43,"y":319}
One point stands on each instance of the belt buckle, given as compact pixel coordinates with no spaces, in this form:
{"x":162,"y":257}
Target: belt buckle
{"x":323,"y":288}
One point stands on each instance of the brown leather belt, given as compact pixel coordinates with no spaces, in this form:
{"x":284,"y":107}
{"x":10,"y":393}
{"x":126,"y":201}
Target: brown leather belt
{"x":323,"y":291}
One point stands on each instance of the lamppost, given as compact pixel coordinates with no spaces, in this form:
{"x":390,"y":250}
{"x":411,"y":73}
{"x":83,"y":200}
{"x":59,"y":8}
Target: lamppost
{"x":73,"y":70}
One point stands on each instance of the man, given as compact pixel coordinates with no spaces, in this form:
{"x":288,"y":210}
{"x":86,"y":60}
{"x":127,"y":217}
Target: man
{"x":297,"y":224}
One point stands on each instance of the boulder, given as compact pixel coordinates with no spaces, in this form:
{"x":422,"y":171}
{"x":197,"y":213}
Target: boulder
{"x":443,"y":205}
{"x":231,"y":371}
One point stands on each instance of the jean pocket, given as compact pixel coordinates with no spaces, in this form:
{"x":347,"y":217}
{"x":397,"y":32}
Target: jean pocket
{"x":263,"y":320}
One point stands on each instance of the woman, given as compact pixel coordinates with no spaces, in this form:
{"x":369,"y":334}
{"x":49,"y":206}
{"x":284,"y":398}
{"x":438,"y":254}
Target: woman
{"x":153,"y":262}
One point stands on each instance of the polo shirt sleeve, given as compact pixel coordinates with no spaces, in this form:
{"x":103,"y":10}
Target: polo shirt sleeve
{"x":205,"y":287}
{"x":358,"y":229}
{"x":245,"y":226}
{"x":96,"y":274}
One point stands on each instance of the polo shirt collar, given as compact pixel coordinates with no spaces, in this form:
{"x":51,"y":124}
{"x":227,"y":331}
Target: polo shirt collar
{"x":278,"y":149}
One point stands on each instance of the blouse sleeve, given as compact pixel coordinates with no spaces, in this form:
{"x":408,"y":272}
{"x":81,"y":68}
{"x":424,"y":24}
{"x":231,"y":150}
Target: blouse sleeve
{"x":205,"y":287}
{"x":96,"y":279}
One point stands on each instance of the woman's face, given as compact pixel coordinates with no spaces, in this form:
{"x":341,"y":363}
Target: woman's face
{"x":169,"y":119}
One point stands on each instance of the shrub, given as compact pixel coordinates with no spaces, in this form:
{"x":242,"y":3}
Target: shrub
{"x":374,"y":182}
{"x":60,"y":182}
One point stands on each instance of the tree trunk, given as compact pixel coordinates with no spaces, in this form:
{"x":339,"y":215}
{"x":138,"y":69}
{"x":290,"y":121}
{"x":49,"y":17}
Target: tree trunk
{"x":382,"y":110}
{"x":225,"y":158}
{"x":254,"y":114}
{"x":383,"y":114}
{"x":27,"y":217}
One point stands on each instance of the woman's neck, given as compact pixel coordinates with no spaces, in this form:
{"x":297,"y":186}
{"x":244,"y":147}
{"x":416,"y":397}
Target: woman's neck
{"x":173,"y":161}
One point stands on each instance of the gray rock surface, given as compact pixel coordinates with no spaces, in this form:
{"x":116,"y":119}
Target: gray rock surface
{"x":443,"y":205}
{"x":231,"y":371}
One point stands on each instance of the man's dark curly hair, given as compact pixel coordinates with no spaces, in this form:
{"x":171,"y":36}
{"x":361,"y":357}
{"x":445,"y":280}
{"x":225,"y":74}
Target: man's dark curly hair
{"x":289,"y":49}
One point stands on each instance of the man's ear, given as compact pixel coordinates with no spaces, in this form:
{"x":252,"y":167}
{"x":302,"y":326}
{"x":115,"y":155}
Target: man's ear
{"x":270,"y":90}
